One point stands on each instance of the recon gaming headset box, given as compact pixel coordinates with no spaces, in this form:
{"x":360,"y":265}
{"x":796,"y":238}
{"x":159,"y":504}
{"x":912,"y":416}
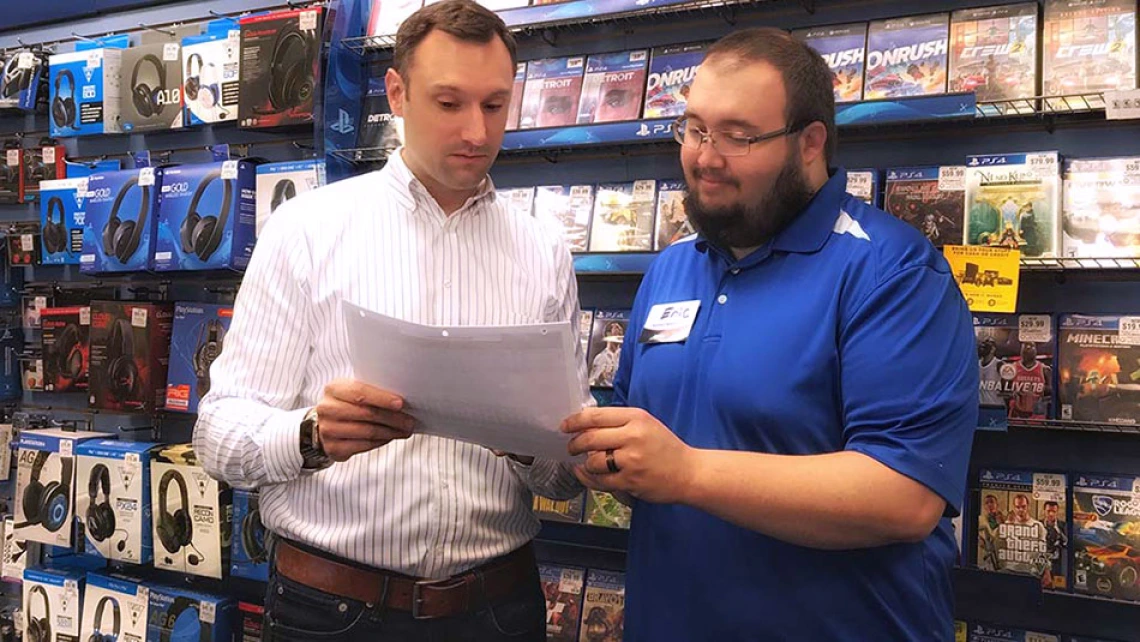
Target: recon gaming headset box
{"x":280,"y":52}
{"x":119,"y":233}
{"x":85,"y":92}
{"x":151,"y":95}
{"x":53,"y":604}
{"x":63,"y":211}
{"x":115,"y":607}
{"x":113,"y":499}
{"x":45,"y":485}
{"x":179,"y":615}
{"x":193,"y":515}
{"x":206,"y":217}
{"x":280,"y":182}
{"x":130,"y":354}
{"x":65,"y":334}
{"x":198,"y":338}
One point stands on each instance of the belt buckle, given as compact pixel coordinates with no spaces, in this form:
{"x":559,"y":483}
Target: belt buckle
{"x":417,"y":594}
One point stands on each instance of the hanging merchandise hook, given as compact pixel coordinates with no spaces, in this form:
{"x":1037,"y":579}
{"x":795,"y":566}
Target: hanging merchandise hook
{"x":156,"y":29}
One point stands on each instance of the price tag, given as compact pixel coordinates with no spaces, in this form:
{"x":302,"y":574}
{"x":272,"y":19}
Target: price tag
{"x":1030,"y":636}
{"x":40,"y":303}
{"x":85,"y":316}
{"x":1048,"y":487}
{"x":95,"y":59}
{"x":1034,"y":328}
{"x":27,"y":60}
{"x":65,"y":447}
{"x":26,"y":243}
{"x":643,"y":190}
{"x":234,"y":37}
{"x":571,"y":582}
{"x":144,"y":595}
{"x":1129,"y":331}
{"x":49,"y":155}
{"x":146,"y":177}
{"x":208,"y":611}
{"x":230,"y":170}
{"x":138,"y":317}
{"x":1044,"y":165}
{"x":13,"y":157}
{"x":952,"y":178}
{"x":1122,"y":105}
{"x":1136,"y":486}
{"x":308,"y":20}
{"x":170,"y":52}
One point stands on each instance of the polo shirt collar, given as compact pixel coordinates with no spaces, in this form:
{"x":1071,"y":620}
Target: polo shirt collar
{"x":408,"y":188}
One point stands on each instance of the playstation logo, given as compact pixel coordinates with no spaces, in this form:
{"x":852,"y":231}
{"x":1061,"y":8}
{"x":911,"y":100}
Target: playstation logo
{"x":973,"y":162}
{"x":343,"y":124}
{"x":643,"y":130}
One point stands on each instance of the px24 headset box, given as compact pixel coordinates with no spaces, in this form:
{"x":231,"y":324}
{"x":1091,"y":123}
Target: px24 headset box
{"x":113,"y":499}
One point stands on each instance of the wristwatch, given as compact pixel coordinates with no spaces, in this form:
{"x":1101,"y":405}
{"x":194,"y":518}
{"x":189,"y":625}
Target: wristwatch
{"x":312,"y":453}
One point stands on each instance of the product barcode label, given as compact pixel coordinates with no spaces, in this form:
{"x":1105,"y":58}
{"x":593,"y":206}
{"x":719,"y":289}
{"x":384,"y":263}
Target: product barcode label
{"x":13,"y":157}
{"x":308,"y":20}
{"x":138,"y":317}
{"x":1129,"y":331}
{"x":208,"y":610}
{"x":571,"y":581}
{"x":65,"y":447}
{"x":27,"y":244}
{"x":1034,"y":328}
{"x":170,"y":52}
{"x":49,"y":155}
{"x":146,"y":177}
{"x":85,"y":316}
{"x":94,"y":59}
{"x":1048,"y":487}
{"x":27,"y":60}
{"x":229,"y":170}
{"x":952,"y":178}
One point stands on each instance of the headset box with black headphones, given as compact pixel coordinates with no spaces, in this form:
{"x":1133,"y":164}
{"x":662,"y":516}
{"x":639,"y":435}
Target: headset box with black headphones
{"x":65,"y":335}
{"x":250,"y":557}
{"x":45,"y":485}
{"x":150,"y":98}
{"x":112,"y":500}
{"x":21,"y":80}
{"x":130,"y":355}
{"x":211,"y":83}
{"x":193,"y":515}
{"x":53,"y":605}
{"x":17,"y":551}
{"x":85,"y":92}
{"x":10,"y":172}
{"x":41,"y":164}
{"x":63,"y":213}
{"x":119,"y":234}
{"x":178,"y":615}
{"x":24,"y":243}
{"x":280,"y":52}
{"x":280,"y":182}
{"x":115,"y":607}
{"x":206,"y":217}
{"x":196,"y":341}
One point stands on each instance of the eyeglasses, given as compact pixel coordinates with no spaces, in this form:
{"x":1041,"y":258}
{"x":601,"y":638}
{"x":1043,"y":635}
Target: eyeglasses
{"x":725,"y":143}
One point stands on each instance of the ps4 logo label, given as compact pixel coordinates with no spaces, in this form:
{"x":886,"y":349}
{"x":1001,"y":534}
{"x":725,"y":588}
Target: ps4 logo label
{"x":343,"y":124}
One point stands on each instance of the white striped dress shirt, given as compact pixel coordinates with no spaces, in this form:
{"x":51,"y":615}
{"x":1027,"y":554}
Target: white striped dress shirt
{"x":426,"y":506}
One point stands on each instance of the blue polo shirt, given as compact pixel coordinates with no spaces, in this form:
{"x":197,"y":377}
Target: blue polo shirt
{"x":845,"y":332}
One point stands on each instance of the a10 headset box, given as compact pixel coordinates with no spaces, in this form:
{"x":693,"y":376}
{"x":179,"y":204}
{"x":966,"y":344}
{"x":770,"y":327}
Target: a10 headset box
{"x":211,"y":80}
{"x":279,"y":67}
{"x":52,"y":604}
{"x":130,"y":354}
{"x":63,"y":213}
{"x":206,"y":217}
{"x":119,"y":235}
{"x":193,"y":515}
{"x":150,"y":97}
{"x":65,"y":335}
{"x":85,"y":89}
{"x":197,"y":339}
{"x":113,"y":499}
{"x":115,"y":607}
{"x":45,"y":485}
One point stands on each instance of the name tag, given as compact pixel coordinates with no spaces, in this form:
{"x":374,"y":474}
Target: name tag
{"x":669,"y":322}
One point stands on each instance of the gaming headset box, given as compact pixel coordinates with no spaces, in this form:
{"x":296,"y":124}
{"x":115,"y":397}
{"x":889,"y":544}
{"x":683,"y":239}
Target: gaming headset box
{"x":197,"y":340}
{"x":210,"y":76}
{"x":65,"y":334}
{"x":115,"y":607}
{"x":130,"y":354}
{"x":206,"y":217}
{"x":150,"y":96}
{"x":45,"y":485}
{"x":250,"y":557}
{"x":63,"y":211}
{"x":52,"y":604}
{"x":193,"y":515}
{"x":112,"y":500}
{"x":280,"y":52}
{"x":119,"y":231}
{"x":85,"y":92}
{"x":41,"y":164}
{"x":280,"y":182}
{"x":179,"y":615}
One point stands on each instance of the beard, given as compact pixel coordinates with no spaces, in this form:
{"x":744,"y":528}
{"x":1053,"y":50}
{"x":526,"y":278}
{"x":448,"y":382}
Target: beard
{"x":746,"y":225}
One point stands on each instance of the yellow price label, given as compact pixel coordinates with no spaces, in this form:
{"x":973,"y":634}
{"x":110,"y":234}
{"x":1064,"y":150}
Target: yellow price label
{"x":988,"y":276}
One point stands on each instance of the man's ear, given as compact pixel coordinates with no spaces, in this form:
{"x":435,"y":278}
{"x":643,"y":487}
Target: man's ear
{"x":397,"y":91}
{"x":813,"y":142}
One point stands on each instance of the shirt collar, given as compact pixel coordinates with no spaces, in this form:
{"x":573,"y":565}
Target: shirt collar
{"x":408,"y":188}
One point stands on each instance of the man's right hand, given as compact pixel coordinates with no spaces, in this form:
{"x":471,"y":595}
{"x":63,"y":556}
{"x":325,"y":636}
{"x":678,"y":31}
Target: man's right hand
{"x":355,"y":417}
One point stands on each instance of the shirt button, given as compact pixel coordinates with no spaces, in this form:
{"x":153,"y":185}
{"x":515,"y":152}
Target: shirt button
{"x":722,"y":299}
{"x":735,"y":271}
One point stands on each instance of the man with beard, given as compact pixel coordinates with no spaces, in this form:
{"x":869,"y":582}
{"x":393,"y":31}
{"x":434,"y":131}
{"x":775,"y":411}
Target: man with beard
{"x":801,"y":436}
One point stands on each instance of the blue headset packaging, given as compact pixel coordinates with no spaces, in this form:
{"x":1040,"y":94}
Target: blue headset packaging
{"x":45,"y":485}
{"x":150,"y":97}
{"x":193,"y":515}
{"x":113,"y":499}
{"x":249,"y":554}
{"x":63,"y":212}
{"x":196,"y":341}
{"x":52,"y":604}
{"x":206,"y":217}
{"x":85,"y":92}
{"x":178,"y":615}
{"x":119,"y":234}
{"x":115,"y":607}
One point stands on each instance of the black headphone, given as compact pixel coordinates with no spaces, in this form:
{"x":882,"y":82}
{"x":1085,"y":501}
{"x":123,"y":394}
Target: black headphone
{"x":180,"y":605}
{"x":148,"y":100}
{"x":193,"y":80}
{"x":121,"y":238}
{"x":15,"y":79}
{"x":122,"y":371}
{"x":175,"y":530}
{"x":253,"y":532}
{"x":63,"y":107}
{"x":201,"y":235}
{"x":100,"y":635}
{"x":291,"y":81}
{"x":55,"y":234}
{"x":48,"y":505}
{"x":67,"y":351}
{"x":211,"y":336}
{"x":39,"y":628}
{"x":100,"y":515}
{"x":284,"y":190}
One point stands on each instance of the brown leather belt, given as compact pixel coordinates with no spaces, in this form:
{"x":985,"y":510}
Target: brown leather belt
{"x":424,"y":599}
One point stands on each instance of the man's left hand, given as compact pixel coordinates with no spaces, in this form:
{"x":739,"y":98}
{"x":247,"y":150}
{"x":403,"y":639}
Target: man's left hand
{"x":652,"y":463}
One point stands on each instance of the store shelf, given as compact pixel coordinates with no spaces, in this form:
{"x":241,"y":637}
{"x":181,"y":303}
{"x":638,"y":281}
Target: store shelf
{"x":582,"y":545}
{"x":1079,"y":264}
{"x":1074,"y":426}
{"x":613,"y":264}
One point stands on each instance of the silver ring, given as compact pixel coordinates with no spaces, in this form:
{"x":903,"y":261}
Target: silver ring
{"x":610,"y":463}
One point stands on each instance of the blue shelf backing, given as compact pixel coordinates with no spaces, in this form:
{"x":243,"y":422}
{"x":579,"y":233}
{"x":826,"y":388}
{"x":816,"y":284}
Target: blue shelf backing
{"x":634,"y":131}
{"x":906,"y":110}
{"x":613,"y":263}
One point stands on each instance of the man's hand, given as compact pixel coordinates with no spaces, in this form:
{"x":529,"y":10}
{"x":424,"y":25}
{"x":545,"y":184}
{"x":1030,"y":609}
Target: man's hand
{"x":653,"y":463}
{"x":355,"y":417}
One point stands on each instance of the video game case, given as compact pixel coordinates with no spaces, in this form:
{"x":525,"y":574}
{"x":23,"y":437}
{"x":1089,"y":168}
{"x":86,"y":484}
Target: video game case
{"x":386,"y":15}
{"x":1099,"y":360}
{"x":671,"y":73}
{"x":992,"y":633}
{"x":1088,"y":46}
{"x":863,"y":184}
{"x":672,"y":221}
{"x":613,"y":87}
{"x":563,"y":587}
{"x":993,"y":53}
{"x":907,"y":56}
{"x":585,"y":325}
{"x":603,"y":509}
{"x":1021,"y":525}
{"x":961,"y":631}
{"x":519,"y":200}
{"x":606,"y":337}
{"x":1008,"y":388}
{"x":844,"y":49}
{"x":930,"y":199}
{"x":1106,"y":536}
{"x":570,"y":510}
{"x":1014,"y":200}
{"x":514,"y":108}
{"x":570,"y":206}
{"x":603,"y":609}
{"x":623,"y":217}
{"x":1100,"y":216}
{"x":550,"y":96}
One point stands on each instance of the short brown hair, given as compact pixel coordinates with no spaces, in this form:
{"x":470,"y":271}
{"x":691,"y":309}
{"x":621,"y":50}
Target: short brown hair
{"x":807,"y":78}
{"x":463,"y":19}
